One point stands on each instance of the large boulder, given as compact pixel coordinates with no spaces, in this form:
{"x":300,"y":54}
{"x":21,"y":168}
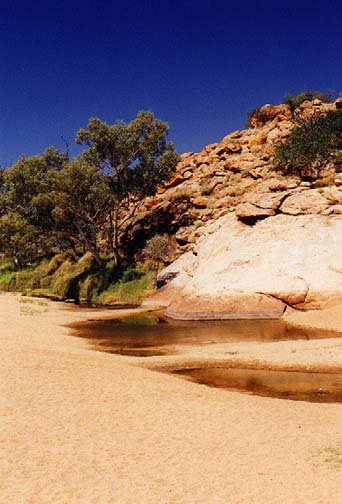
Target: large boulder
{"x":249,"y":213}
{"x":310,"y":201}
{"x":267,"y":200}
{"x":269,"y":113}
{"x":241,"y":271}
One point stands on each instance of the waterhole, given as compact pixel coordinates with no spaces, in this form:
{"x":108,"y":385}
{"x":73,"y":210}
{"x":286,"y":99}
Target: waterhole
{"x":295,"y":385}
{"x":153,"y":335}
{"x":148,"y":335}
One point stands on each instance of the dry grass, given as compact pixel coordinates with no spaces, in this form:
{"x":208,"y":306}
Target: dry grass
{"x":332,"y":457}
{"x":29,"y":306}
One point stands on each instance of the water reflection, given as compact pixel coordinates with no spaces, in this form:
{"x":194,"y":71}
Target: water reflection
{"x":151,"y":334}
{"x":298,"y":386}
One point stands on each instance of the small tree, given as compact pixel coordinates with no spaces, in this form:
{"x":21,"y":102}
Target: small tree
{"x":28,"y":182}
{"x":81,"y":205}
{"x":136,"y":157}
{"x":19,"y":240}
{"x":48,"y":203}
{"x":25,"y":206}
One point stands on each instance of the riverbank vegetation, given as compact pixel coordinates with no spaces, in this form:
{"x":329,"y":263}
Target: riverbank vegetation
{"x":62,"y":220}
{"x":98,"y":228}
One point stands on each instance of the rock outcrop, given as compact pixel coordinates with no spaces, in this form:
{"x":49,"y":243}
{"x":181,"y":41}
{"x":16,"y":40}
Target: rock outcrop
{"x":241,"y":271}
{"x":234,"y":174}
{"x":251,"y":242}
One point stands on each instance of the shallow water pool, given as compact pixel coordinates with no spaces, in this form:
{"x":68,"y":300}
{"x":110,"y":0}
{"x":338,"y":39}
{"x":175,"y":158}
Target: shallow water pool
{"x":147,"y":335}
{"x":295,"y":385}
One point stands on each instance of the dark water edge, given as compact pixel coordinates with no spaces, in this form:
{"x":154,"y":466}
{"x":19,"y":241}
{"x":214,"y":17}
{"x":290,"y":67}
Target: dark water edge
{"x":294,"y":385}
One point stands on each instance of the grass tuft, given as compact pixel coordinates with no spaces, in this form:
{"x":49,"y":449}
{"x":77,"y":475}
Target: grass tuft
{"x":333,"y":457}
{"x":131,"y":292}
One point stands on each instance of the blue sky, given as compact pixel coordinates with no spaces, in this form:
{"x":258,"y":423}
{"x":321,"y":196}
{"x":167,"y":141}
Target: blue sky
{"x":199,"y":65}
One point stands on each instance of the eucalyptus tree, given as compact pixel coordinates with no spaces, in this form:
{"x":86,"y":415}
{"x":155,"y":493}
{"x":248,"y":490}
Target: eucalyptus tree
{"x":49,"y":203}
{"x":26,"y":222}
{"x":135,"y":157}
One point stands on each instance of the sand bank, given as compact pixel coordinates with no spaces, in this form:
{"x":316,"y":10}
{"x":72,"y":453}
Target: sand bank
{"x":80,"y":426}
{"x":329,"y":319}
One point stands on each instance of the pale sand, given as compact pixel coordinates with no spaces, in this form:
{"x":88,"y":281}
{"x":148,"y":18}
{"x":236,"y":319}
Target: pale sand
{"x":81,"y":426}
{"x":327,"y":319}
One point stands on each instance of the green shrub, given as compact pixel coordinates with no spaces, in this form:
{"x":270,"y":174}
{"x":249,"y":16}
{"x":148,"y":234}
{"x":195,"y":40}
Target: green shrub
{"x":311,"y":146}
{"x":79,"y":280}
{"x":130,"y":274}
{"x":26,"y":279}
{"x":50,"y":278}
{"x":6,"y":279}
{"x":69,"y":274}
{"x":132,"y":292}
{"x":294,"y":101}
{"x":91,"y":286}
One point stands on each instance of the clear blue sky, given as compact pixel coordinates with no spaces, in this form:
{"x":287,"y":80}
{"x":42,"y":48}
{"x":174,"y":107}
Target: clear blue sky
{"x":200,"y":65}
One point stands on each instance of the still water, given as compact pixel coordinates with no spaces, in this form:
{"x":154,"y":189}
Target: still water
{"x":153,"y":335}
{"x":295,"y":385}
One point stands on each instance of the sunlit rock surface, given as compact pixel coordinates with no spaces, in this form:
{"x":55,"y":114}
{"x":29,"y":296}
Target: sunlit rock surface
{"x":243,"y":271}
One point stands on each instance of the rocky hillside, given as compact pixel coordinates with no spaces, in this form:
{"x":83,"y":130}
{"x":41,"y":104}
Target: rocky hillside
{"x":252,"y":242}
{"x":236,"y":174}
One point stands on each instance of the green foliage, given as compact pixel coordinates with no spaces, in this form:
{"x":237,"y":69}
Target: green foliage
{"x":49,"y":204}
{"x":19,"y":239}
{"x":130,"y":274}
{"x":91,"y":286}
{"x":6,"y":278}
{"x":54,"y":278}
{"x":27,"y":279}
{"x":81,"y":206}
{"x":67,"y":277}
{"x":29,"y":182}
{"x":311,"y":146}
{"x":131,"y":292}
{"x":294,"y":101}
{"x":6,"y":273}
{"x":136,"y":155}
{"x":60,"y":278}
{"x":26,"y":223}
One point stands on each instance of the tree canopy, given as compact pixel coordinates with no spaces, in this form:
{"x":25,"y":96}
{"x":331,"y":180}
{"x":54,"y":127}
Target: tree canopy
{"x":49,"y":203}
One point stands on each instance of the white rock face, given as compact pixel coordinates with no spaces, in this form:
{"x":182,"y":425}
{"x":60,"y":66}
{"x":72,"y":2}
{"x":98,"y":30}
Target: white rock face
{"x":242,"y":271}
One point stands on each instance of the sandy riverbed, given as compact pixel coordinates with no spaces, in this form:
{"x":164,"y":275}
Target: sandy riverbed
{"x":80,"y":426}
{"x":327,"y":319}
